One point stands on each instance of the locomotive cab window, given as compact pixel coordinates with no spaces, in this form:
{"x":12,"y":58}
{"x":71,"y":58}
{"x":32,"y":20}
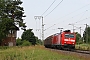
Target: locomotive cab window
{"x":66,"y":35}
{"x":69,"y":35}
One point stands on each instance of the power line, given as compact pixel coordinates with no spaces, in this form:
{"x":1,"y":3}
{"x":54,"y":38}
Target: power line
{"x":49,"y":27}
{"x":48,"y":7}
{"x":80,"y":17}
{"x":74,"y":11}
{"x":79,"y":28}
{"x":77,"y":10}
{"x":66,"y":25}
{"x":67,"y":14}
{"x":54,"y":8}
{"x":82,"y":20}
{"x":77,"y":21}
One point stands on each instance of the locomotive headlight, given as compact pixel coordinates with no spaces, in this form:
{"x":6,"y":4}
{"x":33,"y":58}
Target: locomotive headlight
{"x":73,"y":43}
{"x":64,"y":42}
{"x":72,"y":40}
{"x":65,"y":39}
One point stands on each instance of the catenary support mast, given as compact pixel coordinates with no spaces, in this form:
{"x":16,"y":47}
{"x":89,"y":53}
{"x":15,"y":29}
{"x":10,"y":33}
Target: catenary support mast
{"x":41,"y":17}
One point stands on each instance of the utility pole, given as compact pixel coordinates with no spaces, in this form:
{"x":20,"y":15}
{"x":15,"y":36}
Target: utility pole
{"x":73,"y":27}
{"x":80,"y":33}
{"x":42,"y":29}
{"x":41,"y":17}
{"x":86,"y":33}
{"x":80,"y":30}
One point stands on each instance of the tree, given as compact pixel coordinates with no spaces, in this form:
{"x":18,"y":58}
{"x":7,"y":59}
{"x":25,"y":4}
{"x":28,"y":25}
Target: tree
{"x":18,"y":42}
{"x":11,"y":15}
{"x":78,"y":38}
{"x":29,"y":36}
{"x":38,"y":41}
{"x":26,"y":43}
{"x":86,"y":35}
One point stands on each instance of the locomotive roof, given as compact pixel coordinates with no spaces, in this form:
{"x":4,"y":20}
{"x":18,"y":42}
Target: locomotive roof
{"x":57,"y":34}
{"x":67,"y":31}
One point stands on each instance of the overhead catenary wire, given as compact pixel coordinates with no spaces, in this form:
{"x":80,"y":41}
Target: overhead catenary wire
{"x":54,"y":8}
{"x":82,"y":20}
{"x":48,"y":7}
{"x":81,"y":17}
{"x":72,"y":12}
{"x":76,"y":10}
{"x":72,"y":17}
{"x":77,"y":15}
{"x":66,"y":25}
{"x":69,"y":18}
{"x":79,"y":28}
{"x":49,"y":27}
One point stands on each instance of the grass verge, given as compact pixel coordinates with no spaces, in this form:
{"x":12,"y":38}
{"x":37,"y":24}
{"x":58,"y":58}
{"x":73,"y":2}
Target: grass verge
{"x":32,"y":53}
{"x":83,"y":46}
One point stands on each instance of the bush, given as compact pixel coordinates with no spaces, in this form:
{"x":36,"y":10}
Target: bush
{"x":18,"y":42}
{"x":26,"y":43}
{"x":4,"y":47}
{"x":83,"y":46}
{"x":80,"y":42}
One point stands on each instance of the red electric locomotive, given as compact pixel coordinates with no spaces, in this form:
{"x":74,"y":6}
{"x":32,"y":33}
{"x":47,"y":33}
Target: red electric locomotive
{"x":65,"y":39}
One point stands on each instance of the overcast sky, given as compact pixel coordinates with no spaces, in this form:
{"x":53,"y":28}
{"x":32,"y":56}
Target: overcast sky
{"x":59,"y":14}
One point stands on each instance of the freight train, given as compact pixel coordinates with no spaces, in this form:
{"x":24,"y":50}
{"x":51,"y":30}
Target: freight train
{"x":65,"y":39}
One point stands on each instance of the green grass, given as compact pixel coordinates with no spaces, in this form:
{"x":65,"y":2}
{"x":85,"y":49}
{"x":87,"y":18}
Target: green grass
{"x":83,"y":46}
{"x":32,"y":53}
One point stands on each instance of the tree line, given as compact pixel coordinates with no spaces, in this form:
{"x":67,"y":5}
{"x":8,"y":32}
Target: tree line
{"x":85,"y":38}
{"x":28,"y":38}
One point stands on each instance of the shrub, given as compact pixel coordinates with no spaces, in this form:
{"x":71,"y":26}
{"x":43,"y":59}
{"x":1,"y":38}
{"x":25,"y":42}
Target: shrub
{"x":4,"y":47}
{"x":18,"y":42}
{"x":26,"y":43}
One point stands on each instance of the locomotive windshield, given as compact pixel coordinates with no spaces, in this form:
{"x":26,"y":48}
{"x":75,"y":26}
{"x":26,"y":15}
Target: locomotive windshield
{"x":69,"y":35}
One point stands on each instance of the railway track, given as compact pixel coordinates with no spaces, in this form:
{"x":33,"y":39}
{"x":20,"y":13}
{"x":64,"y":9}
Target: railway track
{"x":85,"y":55}
{"x":81,"y":51}
{"x":76,"y":51}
